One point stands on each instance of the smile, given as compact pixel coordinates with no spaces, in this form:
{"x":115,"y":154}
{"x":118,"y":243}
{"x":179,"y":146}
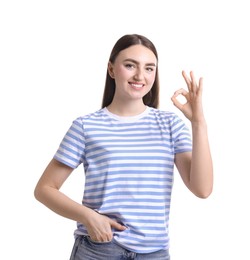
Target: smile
{"x":136,"y":85}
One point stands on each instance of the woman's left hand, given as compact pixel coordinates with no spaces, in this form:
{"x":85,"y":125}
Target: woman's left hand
{"x":192,"y":109}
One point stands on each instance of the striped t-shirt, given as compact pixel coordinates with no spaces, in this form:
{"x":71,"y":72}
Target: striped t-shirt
{"x":128,"y":164}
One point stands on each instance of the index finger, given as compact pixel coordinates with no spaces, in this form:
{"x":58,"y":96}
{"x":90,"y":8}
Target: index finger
{"x":187,"y":80}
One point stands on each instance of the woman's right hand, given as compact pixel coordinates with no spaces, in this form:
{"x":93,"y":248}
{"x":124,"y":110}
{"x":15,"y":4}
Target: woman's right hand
{"x":99,"y":227}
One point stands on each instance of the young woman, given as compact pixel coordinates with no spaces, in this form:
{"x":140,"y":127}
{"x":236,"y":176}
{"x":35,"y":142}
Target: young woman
{"x":128,"y":150}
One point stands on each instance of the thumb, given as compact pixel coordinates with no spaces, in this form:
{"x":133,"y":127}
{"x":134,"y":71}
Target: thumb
{"x":116,"y":225}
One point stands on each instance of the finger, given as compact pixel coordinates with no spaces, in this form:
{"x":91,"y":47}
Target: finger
{"x":117,"y":225}
{"x":182,"y":92}
{"x":200,"y":89}
{"x":103,"y":238}
{"x":175,"y":100}
{"x":193,"y":82}
{"x":187,"y":80}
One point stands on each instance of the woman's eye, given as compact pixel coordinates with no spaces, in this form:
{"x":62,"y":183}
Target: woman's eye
{"x":149,"y":69}
{"x":129,"y":66}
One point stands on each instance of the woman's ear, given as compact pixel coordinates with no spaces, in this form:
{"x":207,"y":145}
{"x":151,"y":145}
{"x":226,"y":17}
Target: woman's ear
{"x":111,"y":70}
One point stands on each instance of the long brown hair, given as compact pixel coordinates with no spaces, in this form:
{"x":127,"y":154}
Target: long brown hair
{"x":152,"y":97}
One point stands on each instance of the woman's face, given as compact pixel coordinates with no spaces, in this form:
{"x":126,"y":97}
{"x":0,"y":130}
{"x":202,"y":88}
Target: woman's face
{"x":134,"y":72}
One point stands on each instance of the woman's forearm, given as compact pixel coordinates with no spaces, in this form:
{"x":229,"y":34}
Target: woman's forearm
{"x":61,"y":204}
{"x":201,"y":173}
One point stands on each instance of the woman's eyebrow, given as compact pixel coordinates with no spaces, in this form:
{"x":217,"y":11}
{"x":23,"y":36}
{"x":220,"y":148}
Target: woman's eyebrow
{"x":136,"y":62}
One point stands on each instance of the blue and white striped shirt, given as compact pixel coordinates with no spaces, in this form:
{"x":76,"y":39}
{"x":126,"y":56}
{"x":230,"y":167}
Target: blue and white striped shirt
{"x":128,"y":163}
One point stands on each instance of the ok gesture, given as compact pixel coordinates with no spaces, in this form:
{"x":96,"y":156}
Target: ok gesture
{"x":192,"y":109}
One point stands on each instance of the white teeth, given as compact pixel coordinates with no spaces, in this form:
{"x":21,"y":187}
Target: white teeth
{"x":137,"y":85}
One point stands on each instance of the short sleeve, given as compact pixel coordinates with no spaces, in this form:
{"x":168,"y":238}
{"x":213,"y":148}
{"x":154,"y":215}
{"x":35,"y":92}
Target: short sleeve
{"x":72,"y":148}
{"x":181,"y":136}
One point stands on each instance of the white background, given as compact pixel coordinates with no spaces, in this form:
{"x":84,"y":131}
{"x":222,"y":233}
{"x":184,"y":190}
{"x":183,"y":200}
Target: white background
{"x":53,"y":57}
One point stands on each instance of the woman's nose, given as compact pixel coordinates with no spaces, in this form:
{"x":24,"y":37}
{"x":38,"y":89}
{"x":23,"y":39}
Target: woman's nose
{"x":138,"y":75}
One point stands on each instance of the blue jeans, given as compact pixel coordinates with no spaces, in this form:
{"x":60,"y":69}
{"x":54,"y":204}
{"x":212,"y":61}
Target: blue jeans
{"x":85,"y":249}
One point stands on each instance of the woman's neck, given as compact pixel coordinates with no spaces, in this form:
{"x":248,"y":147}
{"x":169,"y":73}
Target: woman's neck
{"x":126,"y":108}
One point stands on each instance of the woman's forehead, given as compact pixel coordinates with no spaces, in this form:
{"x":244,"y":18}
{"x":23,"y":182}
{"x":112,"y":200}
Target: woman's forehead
{"x":137,"y":53}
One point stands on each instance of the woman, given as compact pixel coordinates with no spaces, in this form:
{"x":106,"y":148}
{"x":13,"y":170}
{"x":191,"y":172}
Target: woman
{"x":128,"y":150}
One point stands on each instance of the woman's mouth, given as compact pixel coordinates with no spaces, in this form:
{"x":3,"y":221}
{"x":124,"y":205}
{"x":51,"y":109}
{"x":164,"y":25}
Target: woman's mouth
{"x":136,"y":85}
